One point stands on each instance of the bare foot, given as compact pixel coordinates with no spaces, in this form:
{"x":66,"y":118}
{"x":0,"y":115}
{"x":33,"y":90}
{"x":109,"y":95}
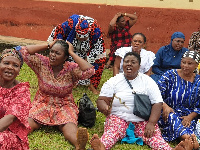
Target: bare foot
{"x":184,"y":145}
{"x":194,"y":141}
{"x":82,"y":138}
{"x":92,"y":88}
{"x":96,"y":143}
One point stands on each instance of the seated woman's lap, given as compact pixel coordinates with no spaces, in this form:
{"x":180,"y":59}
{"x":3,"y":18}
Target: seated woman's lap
{"x":115,"y":130}
{"x":155,"y":142}
{"x":174,"y":128}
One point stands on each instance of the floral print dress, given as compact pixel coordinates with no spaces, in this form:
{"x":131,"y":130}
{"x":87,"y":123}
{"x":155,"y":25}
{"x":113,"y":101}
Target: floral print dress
{"x":15,"y":101}
{"x":54,"y":103}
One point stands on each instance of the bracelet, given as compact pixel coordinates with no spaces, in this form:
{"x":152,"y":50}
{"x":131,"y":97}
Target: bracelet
{"x":48,"y":47}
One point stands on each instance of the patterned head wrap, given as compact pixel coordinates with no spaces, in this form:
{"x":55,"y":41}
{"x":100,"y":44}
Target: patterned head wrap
{"x":13,"y":52}
{"x":82,"y":28}
{"x":177,"y":35}
{"x":192,"y":54}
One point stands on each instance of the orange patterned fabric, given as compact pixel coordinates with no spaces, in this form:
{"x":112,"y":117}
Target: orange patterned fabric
{"x":54,"y":103}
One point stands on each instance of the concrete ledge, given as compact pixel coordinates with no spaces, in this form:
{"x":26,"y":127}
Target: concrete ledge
{"x":19,"y":41}
{"x":9,"y":42}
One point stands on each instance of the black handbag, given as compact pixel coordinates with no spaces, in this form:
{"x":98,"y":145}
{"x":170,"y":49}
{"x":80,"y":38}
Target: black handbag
{"x":87,"y":112}
{"x":142,"y":104}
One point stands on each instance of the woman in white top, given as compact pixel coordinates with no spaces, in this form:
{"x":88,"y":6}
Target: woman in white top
{"x":147,"y":57}
{"x":119,"y":111}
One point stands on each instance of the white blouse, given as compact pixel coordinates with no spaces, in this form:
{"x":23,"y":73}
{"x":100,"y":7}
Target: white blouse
{"x":118,"y":85}
{"x":147,"y":58}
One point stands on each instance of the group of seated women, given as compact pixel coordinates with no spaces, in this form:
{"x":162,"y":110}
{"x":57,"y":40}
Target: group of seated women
{"x":174,"y":96}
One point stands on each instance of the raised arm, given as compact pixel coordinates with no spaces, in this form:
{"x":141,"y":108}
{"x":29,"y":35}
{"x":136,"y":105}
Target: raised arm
{"x":132,"y":20}
{"x":32,"y":49}
{"x":113,"y":22}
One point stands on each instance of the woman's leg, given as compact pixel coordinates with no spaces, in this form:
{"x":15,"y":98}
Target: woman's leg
{"x":71,"y":132}
{"x":114,"y":130}
{"x":33,"y":124}
{"x":155,"y":142}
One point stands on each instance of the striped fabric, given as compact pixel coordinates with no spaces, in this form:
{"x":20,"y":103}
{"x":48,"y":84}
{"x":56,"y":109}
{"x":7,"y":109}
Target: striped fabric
{"x":184,"y":97}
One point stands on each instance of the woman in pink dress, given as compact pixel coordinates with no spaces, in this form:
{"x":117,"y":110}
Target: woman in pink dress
{"x":14,"y":103}
{"x":54,"y":104}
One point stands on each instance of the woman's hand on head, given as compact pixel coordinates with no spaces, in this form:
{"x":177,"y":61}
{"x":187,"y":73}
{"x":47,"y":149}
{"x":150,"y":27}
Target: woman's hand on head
{"x":118,"y":14}
{"x":71,"y":48}
{"x":166,"y":111}
{"x":52,"y":43}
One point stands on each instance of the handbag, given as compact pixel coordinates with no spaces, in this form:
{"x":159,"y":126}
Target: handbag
{"x":142,"y":104}
{"x":87,"y":112}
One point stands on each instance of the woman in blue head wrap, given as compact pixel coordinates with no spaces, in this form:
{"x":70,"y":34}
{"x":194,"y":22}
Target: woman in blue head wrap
{"x":169,"y":56}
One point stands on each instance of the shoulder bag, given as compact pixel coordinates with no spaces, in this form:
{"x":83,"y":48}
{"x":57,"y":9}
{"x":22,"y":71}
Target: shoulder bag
{"x":142,"y":104}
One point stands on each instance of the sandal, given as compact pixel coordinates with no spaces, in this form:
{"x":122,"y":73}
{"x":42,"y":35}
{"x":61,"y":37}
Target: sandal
{"x":82,"y":138}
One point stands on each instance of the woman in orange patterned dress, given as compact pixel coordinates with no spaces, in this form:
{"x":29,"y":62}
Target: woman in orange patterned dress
{"x":15,"y":103}
{"x":54,"y":103}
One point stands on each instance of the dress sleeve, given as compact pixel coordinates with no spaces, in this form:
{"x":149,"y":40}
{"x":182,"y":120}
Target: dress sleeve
{"x":156,"y":68}
{"x":163,"y":84}
{"x":78,"y":74}
{"x":33,"y":61}
{"x":107,"y":89}
{"x":19,"y":106}
{"x":120,"y":52}
{"x":192,"y":40}
{"x":153,"y":91}
{"x":97,"y":45}
{"x":149,"y":64}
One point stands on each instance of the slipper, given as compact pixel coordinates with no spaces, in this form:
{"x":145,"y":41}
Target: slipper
{"x":82,"y":138}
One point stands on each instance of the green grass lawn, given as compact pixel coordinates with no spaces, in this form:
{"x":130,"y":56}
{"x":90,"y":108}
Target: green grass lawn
{"x":50,"y":138}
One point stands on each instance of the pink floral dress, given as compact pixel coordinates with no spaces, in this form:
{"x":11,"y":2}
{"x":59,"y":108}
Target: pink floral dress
{"x":54,"y":103}
{"x":15,"y":101}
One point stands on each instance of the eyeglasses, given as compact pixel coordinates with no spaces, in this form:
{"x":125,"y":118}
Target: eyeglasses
{"x":135,"y":41}
{"x":179,"y":41}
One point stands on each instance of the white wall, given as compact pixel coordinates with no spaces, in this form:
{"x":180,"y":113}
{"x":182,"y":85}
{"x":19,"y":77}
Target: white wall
{"x":179,"y":4}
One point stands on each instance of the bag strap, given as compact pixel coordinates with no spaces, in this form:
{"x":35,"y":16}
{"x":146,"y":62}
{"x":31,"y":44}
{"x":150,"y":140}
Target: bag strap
{"x":129,"y":84}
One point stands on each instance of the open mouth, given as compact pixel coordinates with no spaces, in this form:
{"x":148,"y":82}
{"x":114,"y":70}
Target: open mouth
{"x":52,"y":59}
{"x":129,"y":70}
{"x":8,"y":73}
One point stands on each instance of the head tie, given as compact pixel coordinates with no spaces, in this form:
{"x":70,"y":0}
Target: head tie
{"x":82,"y":28}
{"x":177,"y":35}
{"x":192,"y":54}
{"x":13,"y":52}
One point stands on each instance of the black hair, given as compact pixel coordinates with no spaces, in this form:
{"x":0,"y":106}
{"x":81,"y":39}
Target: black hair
{"x":144,"y":37}
{"x":65,"y":45}
{"x":118,"y":18}
{"x":133,"y":54}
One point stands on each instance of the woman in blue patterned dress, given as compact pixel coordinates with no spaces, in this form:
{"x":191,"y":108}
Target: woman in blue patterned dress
{"x":180,"y":89}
